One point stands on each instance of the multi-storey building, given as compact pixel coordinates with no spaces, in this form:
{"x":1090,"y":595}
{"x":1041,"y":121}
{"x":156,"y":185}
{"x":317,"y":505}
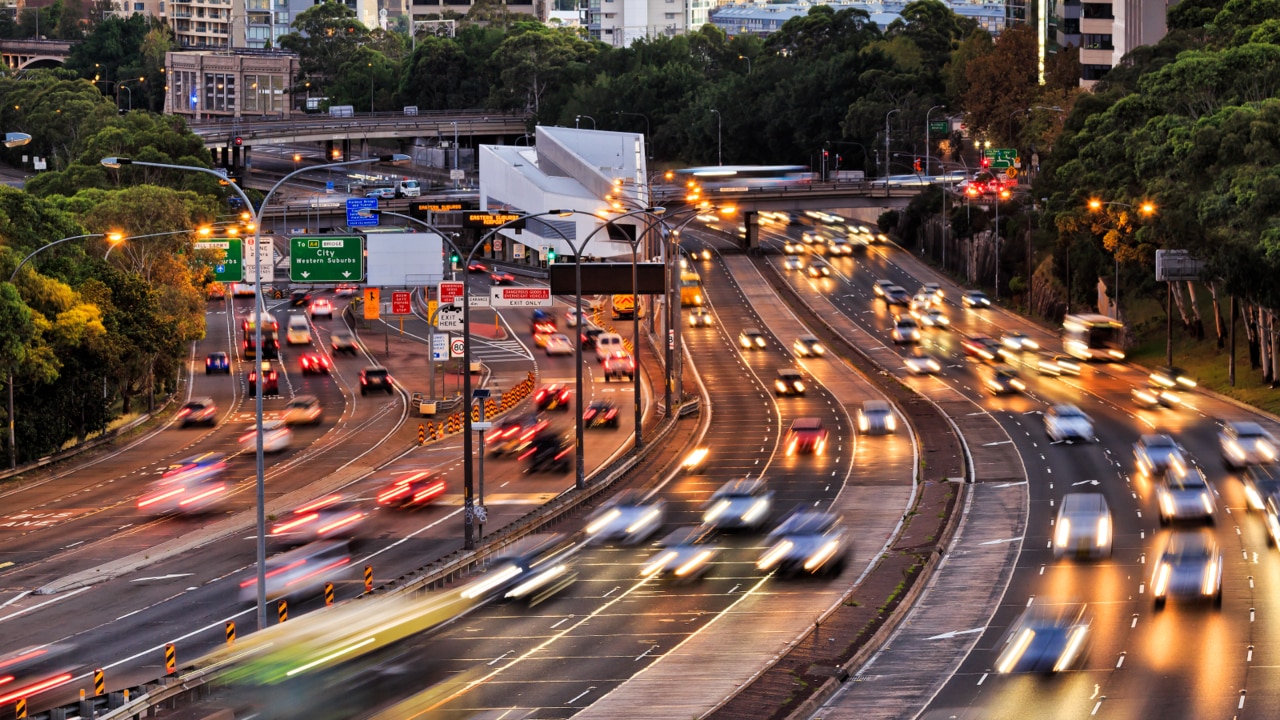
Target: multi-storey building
{"x":621,"y":22}
{"x":229,"y":83}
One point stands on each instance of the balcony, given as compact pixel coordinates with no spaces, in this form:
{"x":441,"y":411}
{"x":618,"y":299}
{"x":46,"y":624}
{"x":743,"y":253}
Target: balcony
{"x":1095,"y":56}
{"x":1092,"y":26}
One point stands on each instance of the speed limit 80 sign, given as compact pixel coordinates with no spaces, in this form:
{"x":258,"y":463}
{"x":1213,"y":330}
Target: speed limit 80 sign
{"x":457,"y":347}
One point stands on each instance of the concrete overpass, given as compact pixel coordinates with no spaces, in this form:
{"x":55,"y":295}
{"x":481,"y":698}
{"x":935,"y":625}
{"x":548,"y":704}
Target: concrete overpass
{"x":439,"y":124}
{"x":817,"y":196}
{"x":23,"y":54}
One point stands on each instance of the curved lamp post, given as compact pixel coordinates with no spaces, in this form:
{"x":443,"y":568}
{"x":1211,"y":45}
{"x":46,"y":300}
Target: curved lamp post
{"x":1147,"y":209}
{"x":259,"y":307}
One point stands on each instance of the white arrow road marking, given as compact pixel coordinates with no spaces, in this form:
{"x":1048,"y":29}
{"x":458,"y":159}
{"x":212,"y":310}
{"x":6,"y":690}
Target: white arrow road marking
{"x":955,"y":633}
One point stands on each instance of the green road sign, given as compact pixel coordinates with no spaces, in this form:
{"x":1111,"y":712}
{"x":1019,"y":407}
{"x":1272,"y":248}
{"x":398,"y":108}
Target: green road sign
{"x":326,"y":259}
{"x":1007,"y":155}
{"x":938,"y":126}
{"x":230,"y":267}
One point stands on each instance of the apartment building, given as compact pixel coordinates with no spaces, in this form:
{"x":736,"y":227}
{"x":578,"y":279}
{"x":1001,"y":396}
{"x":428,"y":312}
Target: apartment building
{"x":230,"y":83}
{"x":621,"y":22}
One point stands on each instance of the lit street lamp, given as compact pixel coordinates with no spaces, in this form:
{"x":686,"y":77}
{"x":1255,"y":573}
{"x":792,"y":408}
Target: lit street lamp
{"x":259,"y":307}
{"x":1147,"y":208}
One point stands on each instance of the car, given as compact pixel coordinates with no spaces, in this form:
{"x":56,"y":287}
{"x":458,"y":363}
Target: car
{"x":314,"y":364}
{"x":699,"y":317}
{"x":881,"y":287}
{"x":1004,"y":380}
{"x":876,"y":417}
{"x":920,"y":362}
{"x":1150,"y":398}
{"x":816,"y":270}
{"x":791,"y":247}
{"x":619,"y":365}
{"x":1015,"y":341}
{"x":1271,"y":511}
{"x":548,"y":451}
{"x":321,"y":307}
{"x":841,"y":246}
{"x":934,"y":318}
{"x":302,"y":571}
{"x":608,"y":344}
{"x":1067,"y":423}
{"x":982,"y":347}
{"x":792,"y":263}
{"x":920,"y":302}
{"x":588,"y":336}
{"x":414,"y":489}
{"x":477,"y":267}
{"x":511,"y":435}
{"x":805,"y":543}
{"x":934,"y":289}
{"x":806,"y":435}
{"x":299,"y":298}
{"x":303,"y":410}
{"x":685,"y":554}
{"x":270,"y":347}
{"x":808,"y":346}
{"x":1260,"y":482}
{"x":601,"y":413}
{"x":1057,"y":365}
{"x":382,"y":193}
{"x":905,"y":330}
{"x":218,"y":362}
{"x":1046,"y":638}
{"x":270,"y":379}
{"x":1189,"y":567}
{"x":541,"y":322}
{"x":571,"y":317}
{"x":276,"y":437}
{"x":742,"y":504}
{"x":215,"y":291}
{"x":530,"y":570}
{"x":558,"y":344}
{"x":1083,"y":527}
{"x":194,"y":485}
{"x":502,"y":278}
{"x":975,"y":299}
{"x":1246,"y":443}
{"x":345,"y":290}
{"x":1183,"y":493}
{"x":375,"y":378}
{"x":897,"y":295}
{"x":788,"y":382}
{"x":343,"y":342}
{"x":752,"y":339}
{"x":553,"y":397}
{"x":1154,"y":454}
{"x":628,"y":518}
{"x":704,"y":254}
{"x":1171,"y":377}
{"x":331,"y":517}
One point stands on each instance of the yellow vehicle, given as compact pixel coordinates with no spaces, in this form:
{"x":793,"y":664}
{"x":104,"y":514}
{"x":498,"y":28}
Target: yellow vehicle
{"x":690,"y":290}
{"x":624,"y":307}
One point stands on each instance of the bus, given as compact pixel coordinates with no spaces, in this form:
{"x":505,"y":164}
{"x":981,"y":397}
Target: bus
{"x":741,"y":178}
{"x":1090,"y":336}
{"x":690,"y":290}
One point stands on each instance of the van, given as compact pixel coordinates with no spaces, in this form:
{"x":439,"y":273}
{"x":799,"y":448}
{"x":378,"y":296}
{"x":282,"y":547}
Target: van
{"x":299,"y":332}
{"x":607,"y":344}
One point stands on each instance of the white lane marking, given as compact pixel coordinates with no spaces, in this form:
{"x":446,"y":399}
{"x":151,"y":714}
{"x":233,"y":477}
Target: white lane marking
{"x":37,"y":606}
{"x":579,"y":695}
{"x":498,"y":659}
{"x":163,"y":577}
{"x":25,"y":593}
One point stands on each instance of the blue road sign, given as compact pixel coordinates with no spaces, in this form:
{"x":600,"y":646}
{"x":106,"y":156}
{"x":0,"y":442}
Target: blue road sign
{"x":219,"y":268}
{"x":358,"y":212}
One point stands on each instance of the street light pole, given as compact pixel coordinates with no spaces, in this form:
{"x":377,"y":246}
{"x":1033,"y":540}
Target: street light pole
{"x":719,"y":155}
{"x":744,"y":57}
{"x":648,"y":137}
{"x":886,"y":149}
{"x":579,"y":117}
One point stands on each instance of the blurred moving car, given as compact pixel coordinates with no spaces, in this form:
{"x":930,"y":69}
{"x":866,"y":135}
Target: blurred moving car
{"x":881,"y":287}
{"x":792,"y":263}
{"x":601,"y":413}
{"x":788,"y":382}
{"x":345,"y":290}
{"x":1189,"y":567}
{"x":412,"y":490}
{"x":571,"y":317}
{"x":1183,"y":493}
{"x":876,"y":417}
{"x":558,"y":344}
{"x":1246,"y":443}
{"x":198,"y":411}
{"x":808,"y":346}
{"x":303,"y":410}
{"x":270,"y":379}
{"x":982,"y":347}
{"x":975,"y":299}
{"x":905,"y":330}
{"x":739,"y":505}
{"x":619,"y":365}
{"x":807,"y":435}
{"x":1260,"y":482}
{"x":541,"y":322}
{"x":374,"y":379}
{"x":1271,"y":511}
{"x":1171,"y":377}
{"x":805,"y":542}
{"x":314,"y":364}
{"x":1045,"y":639}
{"x":1083,"y":527}
{"x":1003,"y":380}
{"x":684,"y":554}
{"x":301,"y":571}
{"x":511,"y":434}
{"x":792,"y":247}
{"x":553,"y":397}
{"x":935,"y":290}
{"x":1150,"y":398}
{"x":920,"y":362}
{"x":1067,"y":423}
{"x":343,"y":342}
{"x":502,"y":278}
{"x":588,"y":335}
{"x":300,"y":298}
{"x":699,"y":317}
{"x":531,"y":570}
{"x":548,"y":451}
{"x":934,"y":318}
{"x":276,"y":437}
{"x":194,"y":485}
{"x":329,"y":517}
{"x":1154,"y":454}
{"x":897,"y":295}
{"x":477,"y":267}
{"x":818,"y":270}
{"x":752,"y":339}
{"x":217,"y":362}
{"x":215,"y":291}
{"x":628,"y":518}
{"x":33,"y":670}
{"x":321,"y":307}
{"x":1057,"y":364}
{"x":1018,"y":342}
{"x":920,"y":302}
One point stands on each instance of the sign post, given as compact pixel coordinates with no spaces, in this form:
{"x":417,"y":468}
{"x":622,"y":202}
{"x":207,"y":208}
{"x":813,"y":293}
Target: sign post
{"x":326,"y":259}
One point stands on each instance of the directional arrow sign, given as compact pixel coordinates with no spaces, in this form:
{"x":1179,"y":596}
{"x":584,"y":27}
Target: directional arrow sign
{"x":520,"y":297}
{"x":1086,"y":482}
{"x":322,"y":259}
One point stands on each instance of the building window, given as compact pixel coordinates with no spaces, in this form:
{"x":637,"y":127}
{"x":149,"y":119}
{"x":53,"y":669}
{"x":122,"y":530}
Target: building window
{"x":1093,"y":72}
{"x":1097,"y":11}
{"x":1096,"y":42}
{"x":1071,"y":26}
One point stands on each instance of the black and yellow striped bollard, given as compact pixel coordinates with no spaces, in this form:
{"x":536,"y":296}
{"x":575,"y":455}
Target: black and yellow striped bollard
{"x":231,"y":632}
{"x":21,"y":709}
{"x":328,"y":594}
{"x":422,"y":434}
{"x":282,"y":609}
{"x":368,"y":578}
{"x":99,"y":682}
{"x":170,"y":658}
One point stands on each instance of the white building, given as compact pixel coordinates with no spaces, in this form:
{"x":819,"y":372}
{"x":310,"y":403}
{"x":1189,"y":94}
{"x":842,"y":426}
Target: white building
{"x":591,"y":171}
{"x":621,"y":22}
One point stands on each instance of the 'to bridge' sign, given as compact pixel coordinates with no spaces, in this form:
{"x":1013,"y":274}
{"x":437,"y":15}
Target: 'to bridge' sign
{"x":519,"y":297}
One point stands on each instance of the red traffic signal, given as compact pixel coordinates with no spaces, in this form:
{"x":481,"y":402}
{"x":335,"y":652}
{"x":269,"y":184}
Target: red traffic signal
{"x":986,"y":162}
{"x":239,"y":141}
{"x":824,"y":154}
{"x":917,"y":164}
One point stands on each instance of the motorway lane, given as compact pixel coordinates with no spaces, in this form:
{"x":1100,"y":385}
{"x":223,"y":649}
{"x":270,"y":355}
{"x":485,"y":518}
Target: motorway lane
{"x":1186,"y":661}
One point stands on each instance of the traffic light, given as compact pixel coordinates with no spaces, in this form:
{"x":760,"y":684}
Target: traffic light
{"x":838,"y":159}
{"x":918,"y":164}
{"x":239,"y":141}
{"x":986,"y":162}
{"x":824,"y":154}
{"x":551,"y":254}
{"x":454,"y":259}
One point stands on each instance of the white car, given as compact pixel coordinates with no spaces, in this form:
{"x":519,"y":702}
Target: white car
{"x":1246,"y":443}
{"x":805,"y":543}
{"x":1067,"y":423}
{"x":558,"y":344}
{"x":934,"y":318}
{"x":738,"y":505}
{"x":806,"y":346}
{"x":321,"y":307}
{"x":1083,"y":527}
{"x":905,"y":330}
{"x":683,"y":555}
{"x":793,"y":263}
{"x":276,"y":437}
{"x":1018,"y":342}
{"x":628,"y":519}
{"x":571,"y":317}
{"x":922,"y":363}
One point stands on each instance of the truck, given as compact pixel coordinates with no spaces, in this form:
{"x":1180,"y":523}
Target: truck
{"x":624,"y":307}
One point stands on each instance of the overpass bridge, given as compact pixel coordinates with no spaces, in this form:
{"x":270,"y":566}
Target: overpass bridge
{"x":23,"y":54}
{"x":866,"y":195}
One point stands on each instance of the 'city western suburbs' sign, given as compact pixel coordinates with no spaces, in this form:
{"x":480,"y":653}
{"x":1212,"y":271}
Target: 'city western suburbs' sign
{"x":326,"y":259}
